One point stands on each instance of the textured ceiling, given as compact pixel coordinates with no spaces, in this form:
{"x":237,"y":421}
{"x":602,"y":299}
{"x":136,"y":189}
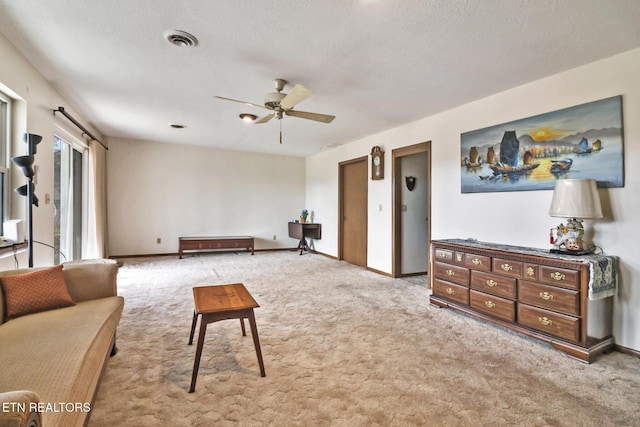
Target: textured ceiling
{"x":374,"y":64}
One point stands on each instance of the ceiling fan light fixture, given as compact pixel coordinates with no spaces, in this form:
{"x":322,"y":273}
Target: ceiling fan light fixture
{"x":248,"y":117}
{"x":180,"y":38}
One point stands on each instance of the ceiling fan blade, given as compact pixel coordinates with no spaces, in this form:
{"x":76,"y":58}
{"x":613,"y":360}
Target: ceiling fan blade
{"x":298,"y":94}
{"x":264,"y":119}
{"x":241,"y":102}
{"x":324,"y":118}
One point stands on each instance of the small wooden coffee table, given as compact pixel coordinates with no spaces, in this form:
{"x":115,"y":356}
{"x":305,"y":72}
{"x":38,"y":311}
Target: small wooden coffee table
{"x":222,"y":302}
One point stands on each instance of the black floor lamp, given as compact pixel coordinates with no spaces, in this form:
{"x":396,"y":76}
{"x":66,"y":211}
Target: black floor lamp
{"x":28,"y":190}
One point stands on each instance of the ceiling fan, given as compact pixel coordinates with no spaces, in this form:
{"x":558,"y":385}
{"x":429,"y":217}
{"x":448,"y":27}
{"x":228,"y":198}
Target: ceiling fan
{"x":282,"y":104}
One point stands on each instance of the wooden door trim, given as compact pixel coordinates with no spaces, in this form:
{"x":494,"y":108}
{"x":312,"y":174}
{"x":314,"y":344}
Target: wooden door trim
{"x":341,"y":166}
{"x":396,"y":188}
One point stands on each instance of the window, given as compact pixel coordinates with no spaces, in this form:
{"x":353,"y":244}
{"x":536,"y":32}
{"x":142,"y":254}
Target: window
{"x":5,"y":132}
{"x":69,"y":199}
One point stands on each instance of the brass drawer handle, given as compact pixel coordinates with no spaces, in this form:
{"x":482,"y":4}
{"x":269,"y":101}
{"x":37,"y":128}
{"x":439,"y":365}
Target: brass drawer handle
{"x":506,"y":267}
{"x":489,"y":304}
{"x":546,"y":296}
{"x":442,"y":255}
{"x":459,"y":257}
{"x":545,"y":321}
{"x":476,"y":261}
{"x":450,"y":291}
{"x":530,"y":271}
{"x":492,"y":283}
{"x":557,"y":276}
{"x":450,"y":273}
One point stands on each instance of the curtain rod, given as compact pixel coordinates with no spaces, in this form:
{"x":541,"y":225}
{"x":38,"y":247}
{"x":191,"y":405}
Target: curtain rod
{"x":77,"y":123}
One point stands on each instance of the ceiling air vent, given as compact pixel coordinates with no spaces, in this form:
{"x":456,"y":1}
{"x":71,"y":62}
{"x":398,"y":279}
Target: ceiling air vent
{"x":180,"y":38}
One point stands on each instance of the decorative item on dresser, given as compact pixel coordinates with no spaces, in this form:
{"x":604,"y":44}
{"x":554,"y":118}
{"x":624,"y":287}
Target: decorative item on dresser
{"x":574,"y":199}
{"x":563,"y":300}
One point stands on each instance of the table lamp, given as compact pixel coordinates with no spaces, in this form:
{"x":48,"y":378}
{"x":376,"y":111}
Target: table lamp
{"x":574,"y":199}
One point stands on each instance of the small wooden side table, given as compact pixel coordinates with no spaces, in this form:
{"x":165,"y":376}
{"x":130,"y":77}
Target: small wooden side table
{"x":304,"y":230}
{"x":222,"y":302}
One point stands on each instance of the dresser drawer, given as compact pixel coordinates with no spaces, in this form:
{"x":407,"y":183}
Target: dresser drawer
{"x":551,"y":297}
{"x":549,"y":322}
{"x":494,"y":284}
{"x":494,"y":306}
{"x":559,"y":277}
{"x":450,"y":291}
{"x":477,"y":262}
{"x":452,"y":273}
{"x":529,"y":271}
{"x":443,"y":255}
{"x":507,"y":267}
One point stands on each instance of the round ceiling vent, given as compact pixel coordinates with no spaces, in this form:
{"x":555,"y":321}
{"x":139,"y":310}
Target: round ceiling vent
{"x":180,"y":38}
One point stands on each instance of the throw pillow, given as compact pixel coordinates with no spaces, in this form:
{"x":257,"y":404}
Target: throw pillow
{"x":36,"y":291}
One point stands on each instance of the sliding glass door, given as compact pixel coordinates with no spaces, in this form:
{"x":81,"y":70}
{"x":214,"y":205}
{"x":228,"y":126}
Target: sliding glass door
{"x":69,"y":199}
{"x":5,"y":120}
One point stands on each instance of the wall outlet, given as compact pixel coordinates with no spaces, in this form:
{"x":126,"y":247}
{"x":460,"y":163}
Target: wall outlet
{"x":158,"y":240}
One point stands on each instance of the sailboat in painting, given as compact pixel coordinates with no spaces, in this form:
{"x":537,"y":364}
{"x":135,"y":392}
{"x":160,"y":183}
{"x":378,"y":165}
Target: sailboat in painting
{"x":510,"y":157}
{"x":583,"y":146}
{"x":473,"y":161}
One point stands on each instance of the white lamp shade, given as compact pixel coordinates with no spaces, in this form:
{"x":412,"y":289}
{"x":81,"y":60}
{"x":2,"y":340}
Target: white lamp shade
{"x":576,"y":198}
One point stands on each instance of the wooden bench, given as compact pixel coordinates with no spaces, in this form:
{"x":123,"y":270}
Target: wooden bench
{"x":212,"y":243}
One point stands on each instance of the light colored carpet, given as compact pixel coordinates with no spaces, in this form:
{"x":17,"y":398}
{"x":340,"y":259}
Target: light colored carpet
{"x":342,"y":347}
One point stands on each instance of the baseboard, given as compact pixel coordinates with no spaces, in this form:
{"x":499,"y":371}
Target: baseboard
{"x":413,"y":274}
{"x":326,"y":255}
{"x":142,"y":255}
{"x":379,"y":272}
{"x":367,"y":268}
{"x":196,"y":253}
{"x":626,"y":350}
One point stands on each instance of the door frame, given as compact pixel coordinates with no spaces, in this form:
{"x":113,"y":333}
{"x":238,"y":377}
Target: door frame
{"x":341,"y":166}
{"x":396,"y":190}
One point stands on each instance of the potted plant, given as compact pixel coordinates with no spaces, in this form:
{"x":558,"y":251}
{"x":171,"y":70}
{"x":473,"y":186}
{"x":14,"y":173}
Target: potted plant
{"x":303,"y":215}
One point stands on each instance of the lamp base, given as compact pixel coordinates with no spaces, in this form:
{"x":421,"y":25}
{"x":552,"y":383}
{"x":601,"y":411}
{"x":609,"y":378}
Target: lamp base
{"x":566,"y":252}
{"x":570,"y":236}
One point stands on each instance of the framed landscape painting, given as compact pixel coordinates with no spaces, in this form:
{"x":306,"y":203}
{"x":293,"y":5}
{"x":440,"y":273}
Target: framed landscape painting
{"x":584,"y":141}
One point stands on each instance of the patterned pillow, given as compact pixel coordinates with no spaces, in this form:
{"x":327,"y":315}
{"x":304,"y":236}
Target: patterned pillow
{"x":37,"y":291}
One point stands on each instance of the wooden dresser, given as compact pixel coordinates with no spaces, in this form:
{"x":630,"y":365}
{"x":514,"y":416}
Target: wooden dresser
{"x":563,"y":300}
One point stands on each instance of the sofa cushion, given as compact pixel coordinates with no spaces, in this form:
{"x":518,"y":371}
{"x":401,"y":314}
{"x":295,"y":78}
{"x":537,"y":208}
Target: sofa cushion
{"x":36,"y":291}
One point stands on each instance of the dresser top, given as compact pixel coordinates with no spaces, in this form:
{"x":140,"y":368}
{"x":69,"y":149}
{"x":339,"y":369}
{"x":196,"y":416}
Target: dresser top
{"x":603,"y":269}
{"x":473,"y":243}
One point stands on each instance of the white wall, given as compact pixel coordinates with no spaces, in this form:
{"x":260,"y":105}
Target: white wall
{"x":158,"y":190}
{"x":34,"y":102}
{"x":518,"y":218}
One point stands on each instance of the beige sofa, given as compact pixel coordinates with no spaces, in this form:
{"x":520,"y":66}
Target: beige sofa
{"x":51,"y":362}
